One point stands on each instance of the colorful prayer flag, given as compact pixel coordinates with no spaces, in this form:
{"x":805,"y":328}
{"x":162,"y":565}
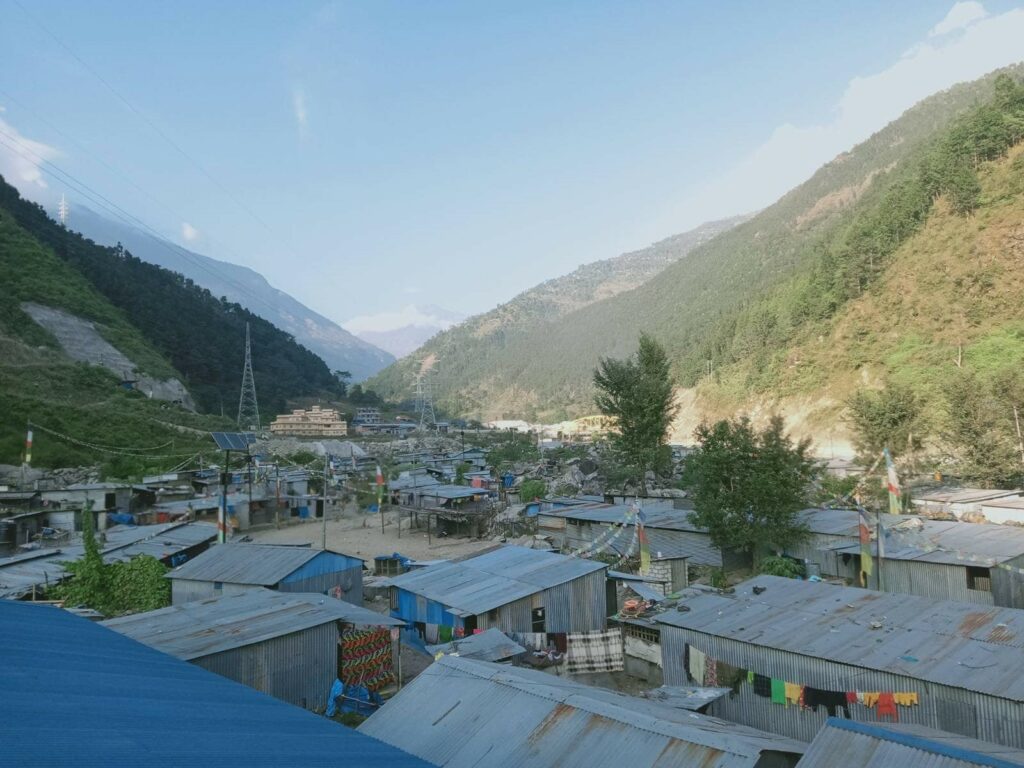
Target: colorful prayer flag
{"x":28,"y":447}
{"x":893,"y":485}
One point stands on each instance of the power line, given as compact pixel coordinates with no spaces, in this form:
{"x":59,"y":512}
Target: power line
{"x":163,"y":241}
{"x":160,"y":132}
{"x":119,"y":213}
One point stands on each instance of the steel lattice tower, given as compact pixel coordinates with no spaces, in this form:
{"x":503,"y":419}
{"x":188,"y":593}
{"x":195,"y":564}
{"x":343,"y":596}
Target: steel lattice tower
{"x":248,"y":410}
{"x":425,"y":402}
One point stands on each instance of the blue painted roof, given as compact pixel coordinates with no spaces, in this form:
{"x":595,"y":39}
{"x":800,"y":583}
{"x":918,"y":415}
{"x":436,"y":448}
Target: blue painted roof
{"x":77,"y":692}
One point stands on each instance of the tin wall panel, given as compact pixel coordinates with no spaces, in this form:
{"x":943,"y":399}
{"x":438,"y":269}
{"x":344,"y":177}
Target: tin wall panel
{"x":298,"y":668}
{"x":957,"y":710}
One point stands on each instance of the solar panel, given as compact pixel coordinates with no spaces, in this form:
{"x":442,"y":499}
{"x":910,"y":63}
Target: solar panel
{"x":233,"y":441}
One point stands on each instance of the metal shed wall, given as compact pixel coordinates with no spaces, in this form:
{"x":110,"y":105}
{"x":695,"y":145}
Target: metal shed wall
{"x":816,"y":550}
{"x":946,"y":708}
{"x":1008,"y":583}
{"x":298,"y":668}
{"x":350,"y":580}
{"x":940,"y":581}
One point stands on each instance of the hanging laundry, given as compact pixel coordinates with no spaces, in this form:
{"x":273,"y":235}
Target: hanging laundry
{"x":730,"y":677}
{"x":851,"y":697}
{"x":793,"y":693}
{"x":778,"y":691}
{"x":868,"y":698}
{"x":559,"y":640}
{"x":831,"y":700}
{"x":762,"y":685}
{"x":599,"y":651}
{"x":366,"y":658}
{"x":431,"y":634}
{"x":696,"y":666}
{"x":905,"y":699}
{"x":887,"y":707}
{"x":711,"y":673}
{"x":444,"y":633}
{"x":750,"y":676}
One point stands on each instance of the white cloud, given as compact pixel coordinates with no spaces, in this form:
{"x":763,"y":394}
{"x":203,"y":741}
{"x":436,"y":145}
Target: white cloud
{"x":189,"y":233}
{"x":300,"y":111}
{"x":409,"y":315}
{"x":792,"y":153}
{"x":960,"y":16}
{"x":21,"y":158}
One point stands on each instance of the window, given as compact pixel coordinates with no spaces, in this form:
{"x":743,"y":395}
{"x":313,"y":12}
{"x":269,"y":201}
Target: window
{"x":538,"y":620}
{"x":642,"y":633}
{"x":394,"y":599}
{"x":218,"y":586}
{"x":979,"y":578}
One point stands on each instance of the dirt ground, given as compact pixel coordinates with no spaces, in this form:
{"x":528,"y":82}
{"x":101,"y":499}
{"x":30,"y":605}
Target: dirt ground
{"x":358,"y":534}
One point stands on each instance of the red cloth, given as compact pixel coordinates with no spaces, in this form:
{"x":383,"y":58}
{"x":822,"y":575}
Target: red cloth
{"x":887,"y":706}
{"x":851,"y":697}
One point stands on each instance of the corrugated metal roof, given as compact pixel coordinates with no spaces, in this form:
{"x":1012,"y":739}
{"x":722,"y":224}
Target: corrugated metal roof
{"x":963,"y":495}
{"x":462,"y":712}
{"x":203,"y":627}
{"x":685,"y":697}
{"x":879,"y":745}
{"x":498,"y":577}
{"x":490,"y":645}
{"x":78,"y":693}
{"x":657,"y":515}
{"x":453,"y":492}
{"x":933,"y":541}
{"x":263,"y":564}
{"x":20,"y":573}
{"x":963,"y":645}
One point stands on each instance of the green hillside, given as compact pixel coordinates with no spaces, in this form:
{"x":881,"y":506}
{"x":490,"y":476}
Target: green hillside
{"x":168,"y":327}
{"x":39,"y":383}
{"x":200,"y":335}
{"x":480,"y":342}
{"x":743,"y":300}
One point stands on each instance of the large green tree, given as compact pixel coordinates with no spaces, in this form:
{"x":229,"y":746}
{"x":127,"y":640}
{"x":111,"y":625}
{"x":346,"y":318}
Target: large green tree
{"x":891,"y":417}
{"x":747,"y":485}
{"x":637,"y":393}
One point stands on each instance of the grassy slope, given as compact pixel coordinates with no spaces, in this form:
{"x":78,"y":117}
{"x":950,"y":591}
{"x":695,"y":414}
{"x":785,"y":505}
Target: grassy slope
{"x":707,"y":305}
{"x":39,"y":383}
{"x":478,"y":344}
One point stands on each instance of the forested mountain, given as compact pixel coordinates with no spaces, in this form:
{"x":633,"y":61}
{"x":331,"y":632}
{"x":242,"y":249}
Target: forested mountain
{"x":480,"y":341}
{"x":750,"y":303}
{"x":337,"y":347}
{"x":164,"y":323}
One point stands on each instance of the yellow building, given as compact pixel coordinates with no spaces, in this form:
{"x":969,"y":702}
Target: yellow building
{"x":315,"y":422}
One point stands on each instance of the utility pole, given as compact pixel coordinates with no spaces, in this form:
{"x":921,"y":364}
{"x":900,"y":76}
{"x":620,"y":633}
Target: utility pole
{"x":222,"y":511}
{"x":323,"y":536}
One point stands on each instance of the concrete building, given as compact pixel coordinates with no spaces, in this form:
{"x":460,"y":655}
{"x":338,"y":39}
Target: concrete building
{"x":365,"y":415}
{"x":958,"y":664}
{"x":878,"y":745}
{"x":1004,"y":510}
{"x":942,"y":559}
{"x":515,"y":589}
{"x":284,"y":644}
{"x":462,"y":713}
{"x":77,"y":693}
{"x":231,"y":568}
{"x":314,"y":422}
{"x":104,"y":497}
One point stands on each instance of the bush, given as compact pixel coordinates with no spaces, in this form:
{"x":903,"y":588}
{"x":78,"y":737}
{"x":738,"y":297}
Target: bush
{"x":532,"y":489}
{"x":781,"y":566}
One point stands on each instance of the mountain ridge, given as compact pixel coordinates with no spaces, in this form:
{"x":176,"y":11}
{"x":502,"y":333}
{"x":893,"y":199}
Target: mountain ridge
{"x":338,"y":348}
{"x":737,"y":302}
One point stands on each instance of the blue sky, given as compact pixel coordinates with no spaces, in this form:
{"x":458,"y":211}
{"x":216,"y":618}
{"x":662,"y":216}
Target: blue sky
{"x":366,"y":156}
